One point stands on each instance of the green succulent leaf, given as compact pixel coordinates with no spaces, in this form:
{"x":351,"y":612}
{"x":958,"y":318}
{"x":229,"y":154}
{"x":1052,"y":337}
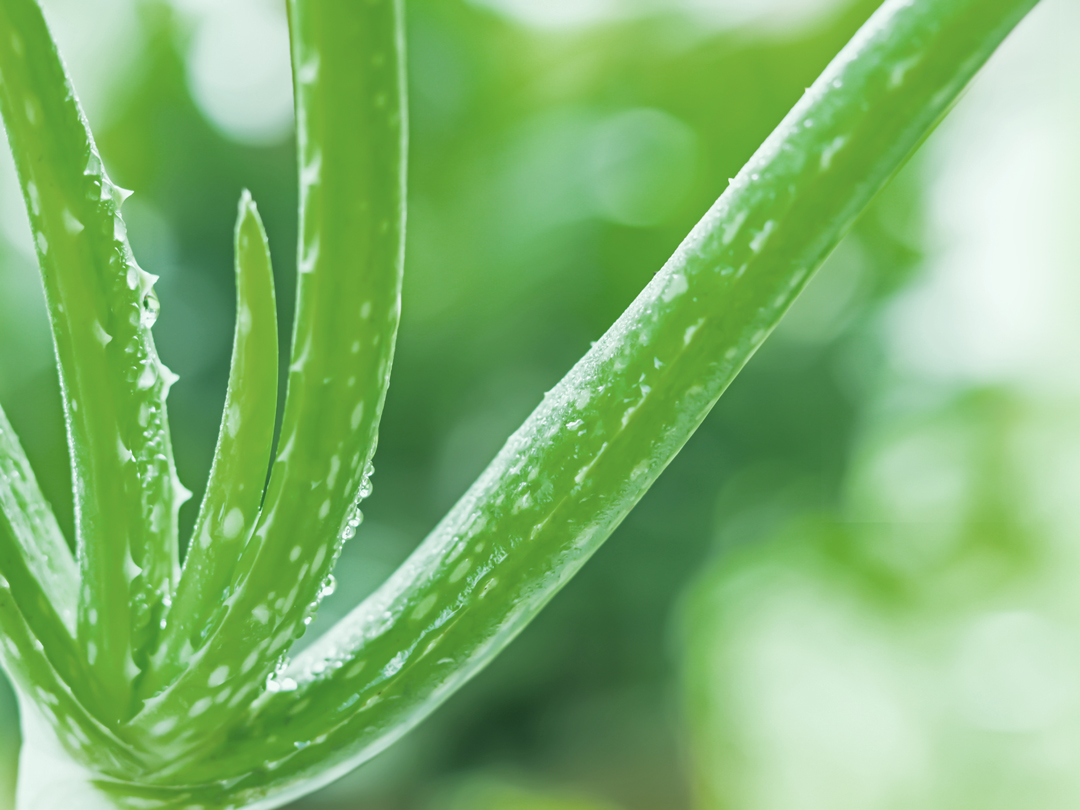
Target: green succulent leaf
{"x":101,"y":306}
{"x":599,"y":439}
{"x":350,"y":102}
{"x":39,"y":573}
{"x":38,"y":592}
{"x":51,"y":696}
{"x":39,"y":546}
{"x":197,"y":705}
{"x":238,"y":476}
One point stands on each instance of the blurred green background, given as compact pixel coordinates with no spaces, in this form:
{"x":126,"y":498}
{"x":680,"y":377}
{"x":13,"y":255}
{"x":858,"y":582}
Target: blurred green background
{"x":856,"y":586}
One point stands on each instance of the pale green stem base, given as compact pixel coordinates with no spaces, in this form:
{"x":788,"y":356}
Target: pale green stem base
{"x":48,"y":777}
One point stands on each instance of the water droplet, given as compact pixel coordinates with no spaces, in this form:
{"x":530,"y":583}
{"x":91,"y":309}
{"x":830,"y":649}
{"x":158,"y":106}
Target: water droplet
{"x":276,"y":682}
{"x":328,"y":587}
{"x":365,"y":488}
{"x":150,"y":309}
{"x":356,"y":517}
{"x":273,"y":684}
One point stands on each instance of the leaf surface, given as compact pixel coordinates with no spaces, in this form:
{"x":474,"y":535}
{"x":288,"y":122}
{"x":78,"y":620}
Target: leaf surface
{"x":238,"y":477}
{"x":587,"y":454}
{"x":350,"y":101}
{"x":101,"y":307}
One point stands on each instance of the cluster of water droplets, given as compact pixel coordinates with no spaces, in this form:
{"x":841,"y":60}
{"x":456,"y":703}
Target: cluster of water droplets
{"x":150,"y":309}
{"x":328,"y":587}
{"x":278,"y":681}
{"x":356,"y":517}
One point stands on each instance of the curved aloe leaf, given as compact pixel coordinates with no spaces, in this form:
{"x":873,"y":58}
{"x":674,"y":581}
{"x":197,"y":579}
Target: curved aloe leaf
{"x":27,"y":663}
{"x":39,"y":543}
{"x":36,"y":562}
{"x":238,"y":477}
{"x":602,"y":436}
{"x":555,"y":492}
{"x":350,"y":101}
{"x":101,"y":307}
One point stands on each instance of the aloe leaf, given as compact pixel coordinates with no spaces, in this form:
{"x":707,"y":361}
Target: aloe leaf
{"x":581,"y":461}
{"x":101,"y":307}
{"x":350,"y":101}
{"x":36,"y":561}
{"x":238,"y":477}
{"x":29,"y":667}
{"x":41,"y":544}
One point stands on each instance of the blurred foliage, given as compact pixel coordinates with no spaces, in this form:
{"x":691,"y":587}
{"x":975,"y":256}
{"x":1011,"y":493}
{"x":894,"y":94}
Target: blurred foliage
{"x":916,"y":648}
{"x":590,"y":153}
{"x":486,"y":793}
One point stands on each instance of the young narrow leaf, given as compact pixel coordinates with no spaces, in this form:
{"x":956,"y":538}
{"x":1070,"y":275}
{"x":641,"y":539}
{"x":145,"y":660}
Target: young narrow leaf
{"x":238,"y":476}
{"x":101,"y":307}
{"x":350,"y":102}
{"x":600,"y":438}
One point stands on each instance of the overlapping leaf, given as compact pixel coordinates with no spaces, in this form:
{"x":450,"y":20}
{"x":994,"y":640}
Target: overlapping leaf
{"x":551,"y":497}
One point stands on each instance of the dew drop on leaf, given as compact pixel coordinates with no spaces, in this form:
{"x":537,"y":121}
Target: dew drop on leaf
{"x":150,"y":309}
{"x":365,"y":488}
{"x":328,"y":587}
{"x":356,"y":517}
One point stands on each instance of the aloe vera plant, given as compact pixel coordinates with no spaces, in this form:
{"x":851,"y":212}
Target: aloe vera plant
{"x":146,"y":684}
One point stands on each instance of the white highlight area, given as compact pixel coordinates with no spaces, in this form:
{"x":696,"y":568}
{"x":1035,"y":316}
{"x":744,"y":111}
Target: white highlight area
{"x":238,"y":69}
{"x":999,"y":300}
{"x":770,"y":15}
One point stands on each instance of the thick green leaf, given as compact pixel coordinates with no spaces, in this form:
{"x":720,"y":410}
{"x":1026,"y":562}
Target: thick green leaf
{"x":555,"y":492}
{"x":350,"y":101}
{"x":238,"y":477}
{"x":36,"y":562}
{"x":29,"y":666}
{"x":101,"y":307}
{"x":41,"y":545}
{"x":599,"y":439}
